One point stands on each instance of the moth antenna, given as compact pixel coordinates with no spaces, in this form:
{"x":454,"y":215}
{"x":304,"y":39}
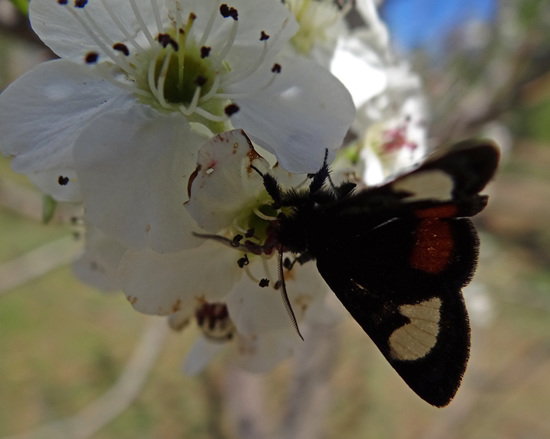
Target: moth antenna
{"x":271,"y":186}
{"x":284,"y":295}
{"x":257,"y":170}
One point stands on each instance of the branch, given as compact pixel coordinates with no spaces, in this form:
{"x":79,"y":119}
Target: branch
{"x":118,"y":398}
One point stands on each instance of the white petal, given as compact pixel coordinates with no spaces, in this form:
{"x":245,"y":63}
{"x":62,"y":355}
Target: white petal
{"x":48,"y":181}
{"x":224,"y":183}
{"x":273,"y":18}
{"x":163,"y":283}
{"x":303,"y":113}
{"x":202,"y":352}
{"x":257,"y":310}
{"x":260,"y":353}
{"x":69,"y":38}
{"x":99,"y":263}
{"x":133,"y":168}
{"x":44,"y":111}
{"x":359,"y":68}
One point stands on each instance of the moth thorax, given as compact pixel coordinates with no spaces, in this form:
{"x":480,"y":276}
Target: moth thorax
{"x":292,"y":235}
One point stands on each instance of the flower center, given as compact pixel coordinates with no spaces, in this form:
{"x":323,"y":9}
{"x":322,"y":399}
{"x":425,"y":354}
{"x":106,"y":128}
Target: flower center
{"x":170,"y":62}
{"x":315,"y":19}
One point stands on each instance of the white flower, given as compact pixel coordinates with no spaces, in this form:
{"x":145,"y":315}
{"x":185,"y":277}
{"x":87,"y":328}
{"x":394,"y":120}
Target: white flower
{"x":142,"y":84}
{"x":230,"y":204}
{"x":391,"y":117}
{"x":321,"y":24}
{"x":231,"y":280}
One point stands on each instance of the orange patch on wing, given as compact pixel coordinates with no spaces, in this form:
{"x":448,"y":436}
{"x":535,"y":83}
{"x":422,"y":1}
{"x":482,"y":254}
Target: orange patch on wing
{"x":444,"y":211}
{"x":433,"y":246}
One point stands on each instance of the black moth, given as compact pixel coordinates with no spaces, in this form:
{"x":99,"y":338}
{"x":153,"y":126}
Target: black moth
{"x":397,"y":257}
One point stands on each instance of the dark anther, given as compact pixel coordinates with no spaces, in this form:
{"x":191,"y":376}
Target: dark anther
{"x":278,"y":284}
{"x":200,"y":80}
{"x":80,"y":3}
{"x":276,"y":68}
{"x":62,"y":2}
{"x":264,"y":36}
{"x":287,"y":263}
{"x":91,"y":57}
{"x":236,"y":239}
{"x":121,"y":47}
{"x":243,"y":261}
{"x":63,"y":181}
{"x":192,"y":16}
{"x":165,"y":40}
{"x":250,"y":233}
{"x":264,"y":283}
{"x":231,"y":109}
{"x":205,"y":51}
{"x":226,"y":11}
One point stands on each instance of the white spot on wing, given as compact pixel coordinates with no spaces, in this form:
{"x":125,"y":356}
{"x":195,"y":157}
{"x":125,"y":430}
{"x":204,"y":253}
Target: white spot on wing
{"x":433,"y":185}
{"x":417,"y":338}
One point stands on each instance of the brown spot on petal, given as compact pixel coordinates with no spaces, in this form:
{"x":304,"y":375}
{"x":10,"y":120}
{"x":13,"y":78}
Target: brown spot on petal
{"x":191,"y":180}
{"x":176,"y":306}
{"x":147,"y":228}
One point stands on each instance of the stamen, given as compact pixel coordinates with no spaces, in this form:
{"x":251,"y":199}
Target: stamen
{"x":158,"y":21}
{"x":127,"y":85}
{"x":162,"y":79}
{"x":236,"y":226}
{"x":151,"y":71}
{"x":63,"y":181}
{"x":193,"y":105}
{"x":231,"y":109}
{"x":246,"y":93}
{"x":91,"y":57}
{"x":263,"y":216}
{"x":239,"y":75}
{"x":121,"y":47}
{"x":247,"y":72}
{"x":209,"y":25}
{"x":207,"y":115}
{"x":141,"y":23}
{"x":121,"y":62}
{"x":213,"y":89}
{"x":250,"y":275}
{"x":119,"y":24}
{"x":230,"y":40}
{"x":266,"y":270}
{"x":189,"y":29}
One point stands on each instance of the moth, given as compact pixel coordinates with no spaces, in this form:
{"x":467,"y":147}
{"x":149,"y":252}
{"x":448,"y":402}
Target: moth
{"x":397,"y":256}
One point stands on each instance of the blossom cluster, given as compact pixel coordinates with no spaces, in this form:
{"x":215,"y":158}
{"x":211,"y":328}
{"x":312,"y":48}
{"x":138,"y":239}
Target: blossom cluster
{"x":161,"y":116}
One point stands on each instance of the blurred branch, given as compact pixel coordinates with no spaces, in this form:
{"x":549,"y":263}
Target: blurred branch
{"x":245,"y":403}
{"x":118,"y":398}
{"x":38,"y":262}
{"x":310,"y":386}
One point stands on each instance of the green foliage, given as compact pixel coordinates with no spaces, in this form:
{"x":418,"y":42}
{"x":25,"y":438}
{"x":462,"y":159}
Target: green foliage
{"x":48,"y":208}
{"x":22,"y":5}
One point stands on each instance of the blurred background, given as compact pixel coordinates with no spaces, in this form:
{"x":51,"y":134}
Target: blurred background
{"x":68,"y":352}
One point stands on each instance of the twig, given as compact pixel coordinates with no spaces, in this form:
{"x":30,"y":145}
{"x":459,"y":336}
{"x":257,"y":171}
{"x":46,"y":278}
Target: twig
{"x":245,"y":403}
{"x":309,"y":393}
{"x":118,"y":398}
{"x":38,"y":262}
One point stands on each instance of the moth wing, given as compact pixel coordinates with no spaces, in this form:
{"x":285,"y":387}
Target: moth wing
{"x":402,"y":281}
